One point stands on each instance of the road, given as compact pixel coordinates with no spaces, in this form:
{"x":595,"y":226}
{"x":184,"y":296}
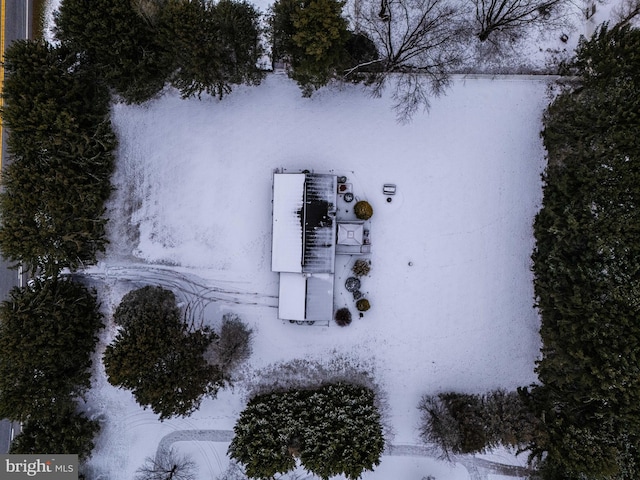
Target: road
{"x":15,"y":23}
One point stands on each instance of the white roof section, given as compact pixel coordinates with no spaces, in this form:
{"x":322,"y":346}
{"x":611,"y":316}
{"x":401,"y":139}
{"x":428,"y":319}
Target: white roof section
{"x":350,"y":233}
{"x":288,"y":197}
{"x":306,"y":296}
{"x":292,"y":296}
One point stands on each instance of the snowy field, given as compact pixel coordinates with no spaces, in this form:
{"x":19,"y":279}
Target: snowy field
{"x":450,"y":285}
{"x":192,"y":211}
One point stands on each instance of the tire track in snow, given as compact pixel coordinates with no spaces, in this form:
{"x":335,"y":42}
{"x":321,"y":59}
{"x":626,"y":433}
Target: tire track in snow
{"x":478,"y":468}
{"x":197,"y":292}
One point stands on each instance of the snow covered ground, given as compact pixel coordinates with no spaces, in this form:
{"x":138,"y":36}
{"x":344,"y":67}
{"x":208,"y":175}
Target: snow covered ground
{"x":450,"y":285}
{"x":192,"y":211}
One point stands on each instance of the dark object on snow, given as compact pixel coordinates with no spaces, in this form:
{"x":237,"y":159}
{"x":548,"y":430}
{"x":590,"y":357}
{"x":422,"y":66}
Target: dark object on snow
{"x":357,"y":295}
{"x":352,"y":284}
{"x":363,"y":305}
{"x":361,"y":267}
{"x":363,"y":210}
{"x":348,"y":197}
{"x":343,"y":317}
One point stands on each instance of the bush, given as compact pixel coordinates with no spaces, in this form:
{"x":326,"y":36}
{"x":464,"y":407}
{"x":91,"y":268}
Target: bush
{"x":363,"y":305}
{"x":458,"y":423}
{"x":233,"y":345}
{"x":303,"y":374}
{"x":343,"y":317}
{"x":363,"y":210}
{"x":361,"y":268}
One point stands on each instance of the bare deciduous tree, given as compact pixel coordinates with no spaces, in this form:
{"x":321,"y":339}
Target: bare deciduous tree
{"x":167,"y":465}
{"x":420,"y":41}
{"x":233,"y":345}
{"x":513,"y":15}
{"x":148,"y":9}
{"x":626,"y":12}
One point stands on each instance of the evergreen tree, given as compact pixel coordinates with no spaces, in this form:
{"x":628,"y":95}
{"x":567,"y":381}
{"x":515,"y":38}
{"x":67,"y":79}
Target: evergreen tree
{"x":312,"y":35}
{"x":157,"y":357}
{"x":587,"y":267}
{"x":51,"y":100}
{"x":58,"y":429}
{"x":119,"y":40}
{"x":334,"y":430}
{"x":48,"y":332}
{"x":212,"y":45}
{"x":61,"y":144}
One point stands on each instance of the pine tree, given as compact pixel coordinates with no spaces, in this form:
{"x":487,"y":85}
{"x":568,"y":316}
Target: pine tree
{"x":212,"y":46}
{"x":48,"y":332}
{"x":61,"y":144}
{"x":334,"y":429}
{"x":119,"y":41}
{"x":58,"y":429}
{"x":157,"y":357}
{"x":587,"y":267}
{"x":313,"y":36}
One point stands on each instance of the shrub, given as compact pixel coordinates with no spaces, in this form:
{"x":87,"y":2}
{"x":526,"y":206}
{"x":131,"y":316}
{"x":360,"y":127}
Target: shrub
{"x":363,"y":210}
{"x":458,"y":423}
{"x":343,"y":317}
{"x":361,"y":268}
{"x":453,"y":422}
{"x":233,"y":345}
{"x":363,"y":305}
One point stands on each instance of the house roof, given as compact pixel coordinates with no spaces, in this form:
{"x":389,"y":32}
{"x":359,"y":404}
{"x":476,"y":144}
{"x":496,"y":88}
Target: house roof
{"x":304,"y":242}
{"x":304,"y":227}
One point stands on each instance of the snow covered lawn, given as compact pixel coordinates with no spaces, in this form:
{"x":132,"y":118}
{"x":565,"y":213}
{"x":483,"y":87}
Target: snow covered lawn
{"x":192,"y":211}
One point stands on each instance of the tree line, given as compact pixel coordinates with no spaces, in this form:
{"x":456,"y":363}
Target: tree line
{"x":587,"y":266}
{"x":582,"y":420}
{"x":202,"y":46}
{"x":48,"y":332}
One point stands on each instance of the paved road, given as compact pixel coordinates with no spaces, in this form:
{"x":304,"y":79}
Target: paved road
{"x":15,"y":24}
{"x":18,"y":22}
